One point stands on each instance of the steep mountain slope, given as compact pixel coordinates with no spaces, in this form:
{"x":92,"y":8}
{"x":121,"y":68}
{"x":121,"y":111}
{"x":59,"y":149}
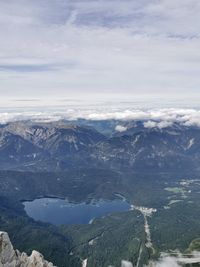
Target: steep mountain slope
{"x":45,"y":145}
{"x":14,"y":149}
{"x":171,"y":148}
{"x":153,"y":149}
{"x":60,"y":145}
{"x":57,"y":138}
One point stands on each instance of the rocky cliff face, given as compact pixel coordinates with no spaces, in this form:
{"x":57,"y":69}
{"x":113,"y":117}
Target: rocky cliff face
{"x":13,"y":258}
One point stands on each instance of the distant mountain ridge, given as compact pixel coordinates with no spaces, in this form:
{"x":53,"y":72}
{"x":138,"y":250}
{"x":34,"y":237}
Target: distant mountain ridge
{"x":23,"y":143}
{"x":60,"y":145}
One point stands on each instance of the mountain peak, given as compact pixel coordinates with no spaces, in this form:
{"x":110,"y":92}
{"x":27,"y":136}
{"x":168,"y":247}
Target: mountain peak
{"x":13,"y":258}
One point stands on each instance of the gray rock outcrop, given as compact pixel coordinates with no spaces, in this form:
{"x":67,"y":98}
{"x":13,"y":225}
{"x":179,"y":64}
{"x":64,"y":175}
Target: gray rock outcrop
{"x":13,"y":258}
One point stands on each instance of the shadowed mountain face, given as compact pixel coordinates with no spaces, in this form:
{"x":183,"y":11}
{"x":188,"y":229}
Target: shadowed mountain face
{"x":61,"y":145}
{"x":15,"y":149}
{"x":33,"y":144}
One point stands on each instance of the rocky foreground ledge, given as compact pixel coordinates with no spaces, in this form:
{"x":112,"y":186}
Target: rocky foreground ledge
{"x":13,"y":258}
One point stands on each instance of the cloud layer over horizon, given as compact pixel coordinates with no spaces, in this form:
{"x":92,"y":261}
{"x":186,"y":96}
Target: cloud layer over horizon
{"x":151,"y":118}
{"x":69,"y":47}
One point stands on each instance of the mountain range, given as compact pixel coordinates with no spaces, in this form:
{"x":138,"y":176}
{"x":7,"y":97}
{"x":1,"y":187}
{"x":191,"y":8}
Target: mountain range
{"x":62,"y":145}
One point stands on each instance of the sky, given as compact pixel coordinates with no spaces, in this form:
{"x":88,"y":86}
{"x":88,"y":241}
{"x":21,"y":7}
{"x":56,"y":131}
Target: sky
{"x":99,"y":49}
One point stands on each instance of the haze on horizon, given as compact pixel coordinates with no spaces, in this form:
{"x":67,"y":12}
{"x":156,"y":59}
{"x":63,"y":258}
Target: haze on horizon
{"x":107,"y":49}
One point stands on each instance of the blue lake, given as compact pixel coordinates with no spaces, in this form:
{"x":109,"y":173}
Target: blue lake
{"x":59,"y":211}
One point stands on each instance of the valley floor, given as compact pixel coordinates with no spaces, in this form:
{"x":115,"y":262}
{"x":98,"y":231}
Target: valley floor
{"x":164,"y":217}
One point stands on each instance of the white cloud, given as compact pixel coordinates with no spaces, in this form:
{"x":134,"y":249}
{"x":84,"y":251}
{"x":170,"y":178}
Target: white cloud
{"x":170,"y":261}
{"x":120,"y":128}
{"x":181,"y":260}
{"x":150,"y":124}
{"x":160,"y":125}
{"x":166,"y":262}
{"x":160,"y":118}
{"x":126,"y":264}
{"x":102,"y":46}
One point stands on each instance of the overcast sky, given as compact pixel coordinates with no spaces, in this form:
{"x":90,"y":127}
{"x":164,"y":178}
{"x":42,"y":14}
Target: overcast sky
{"x":112,"y":48}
